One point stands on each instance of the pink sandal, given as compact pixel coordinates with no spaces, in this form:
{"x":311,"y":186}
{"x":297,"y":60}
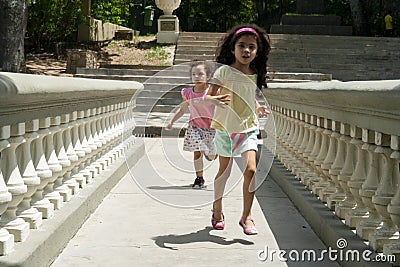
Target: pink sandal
{"x":248,"y":230}
{"x":218,"y":224}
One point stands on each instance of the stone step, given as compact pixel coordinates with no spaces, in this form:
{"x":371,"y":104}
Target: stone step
{"x":198,"y":51}
{"x":168,"y":72}
{"x":137,"y":78}
{"x":194,"y":57}
{"x":197,"y":43}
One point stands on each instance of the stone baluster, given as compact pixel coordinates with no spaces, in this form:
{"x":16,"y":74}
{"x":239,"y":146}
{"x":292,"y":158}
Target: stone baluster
{"x":89,"y":136}
{"x":72,"y":174}
{"x":100,"y":162}
{"x":304,"y":172}
{"x":337,"y":165}
{"x":329,"y":185}
{"x":349,"y":203}
{"x":282,"y":153}
{"x":42,"y":169}
{"x":312,"y":137}
{"x":77,"y":171}
{"x":120,"y":129}
{"x":314,"y":140}
{"x":369,"y":187}
{"x":384,"y":194}
{"x":297,"y":164}
{"x":53,"y":163}
{"x":321,"y":153}
{"x":287,"y":154}
{"x":60,"y":184}
{"x":360,"y":212}
{"x":95,"y":130}
{"x":393,"y":208}
{"x":100,"y":126}
{"x":306,"y":135}
{"x":294,"y":135}
{"x":279,"y":121}
{"x":106,"y":126}
{"x":12,"y":176}
{"x":83,"y":136}
{"x":106,"y":137}
{"x":301,"y":132}
{"x":109,"y":130}
{"x":6,"y":239}
{"x":278,"y":129}
{"x":29,"y":176}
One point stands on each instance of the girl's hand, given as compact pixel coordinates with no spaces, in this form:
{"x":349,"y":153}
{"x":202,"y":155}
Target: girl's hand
{"x":222,"y":100}
{"x":262,"y":111}
{"x":168,"y":127}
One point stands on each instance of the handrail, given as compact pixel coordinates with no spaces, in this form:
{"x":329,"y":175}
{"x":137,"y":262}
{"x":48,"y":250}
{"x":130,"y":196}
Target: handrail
{"x":342,"y":141}
{"x":56,"y":135}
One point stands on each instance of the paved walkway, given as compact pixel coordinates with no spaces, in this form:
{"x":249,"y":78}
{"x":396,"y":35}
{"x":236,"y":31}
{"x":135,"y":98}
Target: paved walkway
{"x":132,"y":227}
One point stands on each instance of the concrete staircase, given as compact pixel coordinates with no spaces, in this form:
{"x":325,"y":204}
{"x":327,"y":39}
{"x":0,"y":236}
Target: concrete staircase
{"x":347,"y":58}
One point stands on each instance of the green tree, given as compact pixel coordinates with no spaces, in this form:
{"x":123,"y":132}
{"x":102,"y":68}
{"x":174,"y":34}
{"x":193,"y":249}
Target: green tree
{"x":113,"y":11}
{"x":219,"y":15}
{"x":52,"y":21}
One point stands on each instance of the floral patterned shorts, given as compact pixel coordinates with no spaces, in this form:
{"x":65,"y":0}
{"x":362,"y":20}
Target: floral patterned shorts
{"x":199,"y":139}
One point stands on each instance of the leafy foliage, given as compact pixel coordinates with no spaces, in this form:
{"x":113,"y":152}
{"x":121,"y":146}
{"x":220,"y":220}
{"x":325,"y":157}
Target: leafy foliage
{"x":113,"y":11}
{"x":218,"y":15}
{"x":50,"y":21}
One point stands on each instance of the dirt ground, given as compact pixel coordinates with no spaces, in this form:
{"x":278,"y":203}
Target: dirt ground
{"x":141,"y":51}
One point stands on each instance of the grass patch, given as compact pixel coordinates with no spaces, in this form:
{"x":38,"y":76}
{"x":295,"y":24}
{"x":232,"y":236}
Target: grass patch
{"x":157,"y":53}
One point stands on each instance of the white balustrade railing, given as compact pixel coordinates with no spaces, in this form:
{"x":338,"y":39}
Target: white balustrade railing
{"x":341,"y":139}
{"x":56,"y":135}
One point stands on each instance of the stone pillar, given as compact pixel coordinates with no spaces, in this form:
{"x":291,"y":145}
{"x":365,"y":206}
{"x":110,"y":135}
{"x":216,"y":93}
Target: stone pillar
{"x":77,"y":58}
{"x":168,"y":24}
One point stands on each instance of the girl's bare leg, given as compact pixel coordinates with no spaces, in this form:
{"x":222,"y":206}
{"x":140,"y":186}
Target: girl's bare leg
{"x":198,"y":163}
{"x":249,"y":162}
{"x":225,"y":167}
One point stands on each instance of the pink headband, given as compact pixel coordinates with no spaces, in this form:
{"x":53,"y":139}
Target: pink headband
{"x":246,"y":29}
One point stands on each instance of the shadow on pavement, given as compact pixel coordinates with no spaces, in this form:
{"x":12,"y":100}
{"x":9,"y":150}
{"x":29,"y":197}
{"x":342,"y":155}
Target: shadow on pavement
{"x":202,"y":235}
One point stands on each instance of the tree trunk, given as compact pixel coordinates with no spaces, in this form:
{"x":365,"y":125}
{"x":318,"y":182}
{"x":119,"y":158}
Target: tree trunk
{"x":359,"y":20}
{"x":13,"y":19}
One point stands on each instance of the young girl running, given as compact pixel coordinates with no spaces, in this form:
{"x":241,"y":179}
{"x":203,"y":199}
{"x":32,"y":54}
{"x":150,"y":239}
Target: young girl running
{"x":199,"y":136}
{"x":244,"y":51}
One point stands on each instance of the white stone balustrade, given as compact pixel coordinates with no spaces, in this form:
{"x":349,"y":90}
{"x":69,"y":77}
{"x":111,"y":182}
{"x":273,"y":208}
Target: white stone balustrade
{"x":56,"y":135}
{"x":341,"y":139}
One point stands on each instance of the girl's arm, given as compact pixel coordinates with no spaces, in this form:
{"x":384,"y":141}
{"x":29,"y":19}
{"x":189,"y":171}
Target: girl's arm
{"x":214,"y":98}
{"x":178,"y":114}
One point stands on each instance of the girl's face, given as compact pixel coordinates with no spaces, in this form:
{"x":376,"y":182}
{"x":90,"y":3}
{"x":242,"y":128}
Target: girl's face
{"x":245,"y":49}
{"x":199,"y":74}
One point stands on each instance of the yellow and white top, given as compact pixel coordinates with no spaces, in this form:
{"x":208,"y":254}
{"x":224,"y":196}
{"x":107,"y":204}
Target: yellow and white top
{"x":238,"y":116}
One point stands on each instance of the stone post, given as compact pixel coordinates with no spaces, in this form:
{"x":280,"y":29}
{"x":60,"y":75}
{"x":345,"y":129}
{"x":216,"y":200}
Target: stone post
{"x":168,"y":24}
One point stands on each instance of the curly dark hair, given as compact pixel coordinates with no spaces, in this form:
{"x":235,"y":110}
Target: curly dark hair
{"x":225,"y":56}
